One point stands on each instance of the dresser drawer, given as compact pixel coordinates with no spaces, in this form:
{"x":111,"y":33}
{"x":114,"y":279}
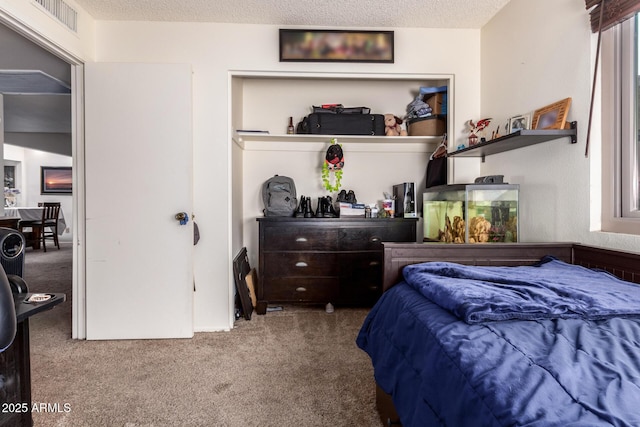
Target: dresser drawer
{"x":287,"y":289}
{"x":365,"y":292}
{"x":360,"y":278}
{"x":370,"y":238}
{"x":299,"y":238}
{"x":360,"y":263}
{"x":297,"y":264}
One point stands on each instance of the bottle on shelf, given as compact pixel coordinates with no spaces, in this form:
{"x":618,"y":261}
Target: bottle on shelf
{"x":290,"y":128}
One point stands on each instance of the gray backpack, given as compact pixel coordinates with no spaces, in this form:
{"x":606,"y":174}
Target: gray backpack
{"x":279,"y":196}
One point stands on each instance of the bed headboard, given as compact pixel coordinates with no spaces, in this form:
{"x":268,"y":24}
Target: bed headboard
{"x":397,"y":255}
{"x":625,"y":265}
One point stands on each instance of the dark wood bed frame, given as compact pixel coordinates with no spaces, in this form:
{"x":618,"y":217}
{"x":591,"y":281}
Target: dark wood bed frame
{"x":397,"y":255}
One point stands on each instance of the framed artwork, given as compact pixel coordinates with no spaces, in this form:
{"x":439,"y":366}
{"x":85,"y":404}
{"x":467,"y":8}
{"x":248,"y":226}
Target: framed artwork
{"x":336,"y":46}
{"x":56,"y":180}
{"x":552,"y":116}
{"x":517,"y":123}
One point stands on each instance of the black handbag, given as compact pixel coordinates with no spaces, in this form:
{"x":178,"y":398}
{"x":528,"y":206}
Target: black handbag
{"x":437,"y":166}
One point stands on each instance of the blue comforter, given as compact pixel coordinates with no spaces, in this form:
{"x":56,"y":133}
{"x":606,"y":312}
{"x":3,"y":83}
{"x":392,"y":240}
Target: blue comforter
{"x":551,"y":289}
{"x":442,"y":371}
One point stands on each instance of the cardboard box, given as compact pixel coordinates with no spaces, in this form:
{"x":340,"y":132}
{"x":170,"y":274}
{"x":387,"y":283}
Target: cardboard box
{"x":436,"y":97}
{"x":434,"y":125}
{"x":437,"y":102}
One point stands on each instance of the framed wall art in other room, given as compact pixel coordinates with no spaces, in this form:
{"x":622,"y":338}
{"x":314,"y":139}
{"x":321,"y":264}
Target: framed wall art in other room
{"x":55,"y":180}
{"x":304,"y":45}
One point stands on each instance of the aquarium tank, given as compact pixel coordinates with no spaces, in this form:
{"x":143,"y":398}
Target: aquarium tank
{"x":471,"y":213}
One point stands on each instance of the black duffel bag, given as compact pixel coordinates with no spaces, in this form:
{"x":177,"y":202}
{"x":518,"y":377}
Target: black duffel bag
{"x":340,"y":109}
{"x":342,"y":124}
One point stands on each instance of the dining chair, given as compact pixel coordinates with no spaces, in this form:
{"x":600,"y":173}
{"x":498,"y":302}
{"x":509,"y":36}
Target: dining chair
{"x":50,"y":214}
{"x":47,"y":226}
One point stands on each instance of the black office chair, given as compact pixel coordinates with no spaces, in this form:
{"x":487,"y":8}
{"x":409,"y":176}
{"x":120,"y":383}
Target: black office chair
{"x":12,"y":244}
{"x":11,"y":269}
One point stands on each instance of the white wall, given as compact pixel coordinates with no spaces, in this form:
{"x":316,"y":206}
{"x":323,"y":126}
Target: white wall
{"x":534,"y":54}
{"x":214,"y":50}
{"x":29,"y":15}
{"x":29,"y":180}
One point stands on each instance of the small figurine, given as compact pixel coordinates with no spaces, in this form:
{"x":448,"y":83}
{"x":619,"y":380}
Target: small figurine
{"x":476,"y":128}
{"x":496,"y":134}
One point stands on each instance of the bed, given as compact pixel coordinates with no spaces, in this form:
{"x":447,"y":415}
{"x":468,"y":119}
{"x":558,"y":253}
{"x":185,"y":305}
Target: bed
{"x":543,"y":350}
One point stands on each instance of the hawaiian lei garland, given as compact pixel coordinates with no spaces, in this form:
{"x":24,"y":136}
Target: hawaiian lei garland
{"x":334,"y":161}
{"x":325,"y":178}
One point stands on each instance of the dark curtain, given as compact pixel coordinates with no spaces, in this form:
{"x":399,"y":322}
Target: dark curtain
{"x":614,"y":12}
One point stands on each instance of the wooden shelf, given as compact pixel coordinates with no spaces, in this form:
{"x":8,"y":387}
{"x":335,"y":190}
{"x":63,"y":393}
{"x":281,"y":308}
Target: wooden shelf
{"x":255,"y":141}
{"x":519,"y":139}
{"x":291,"y":94}
{"x":256,"y":136}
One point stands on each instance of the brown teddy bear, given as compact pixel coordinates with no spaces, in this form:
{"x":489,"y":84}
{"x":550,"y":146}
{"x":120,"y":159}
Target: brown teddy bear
{"x":392,"y":126}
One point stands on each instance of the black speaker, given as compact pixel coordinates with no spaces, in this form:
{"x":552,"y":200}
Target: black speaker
{"x":12,"y":251}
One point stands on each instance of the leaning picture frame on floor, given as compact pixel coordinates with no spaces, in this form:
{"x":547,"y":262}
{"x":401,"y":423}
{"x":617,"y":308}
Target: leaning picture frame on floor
{"x":241,"y":269}
{"x":56,"y":180}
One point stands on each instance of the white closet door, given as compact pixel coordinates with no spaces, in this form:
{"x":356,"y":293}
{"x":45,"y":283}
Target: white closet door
{"x":138,"y":149}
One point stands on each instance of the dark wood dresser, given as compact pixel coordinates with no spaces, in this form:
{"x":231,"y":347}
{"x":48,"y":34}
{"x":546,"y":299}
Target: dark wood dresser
{"x":318,"y":260}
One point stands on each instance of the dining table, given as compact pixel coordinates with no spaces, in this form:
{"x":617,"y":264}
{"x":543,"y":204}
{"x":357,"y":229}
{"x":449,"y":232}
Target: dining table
{"x":34,"y":213}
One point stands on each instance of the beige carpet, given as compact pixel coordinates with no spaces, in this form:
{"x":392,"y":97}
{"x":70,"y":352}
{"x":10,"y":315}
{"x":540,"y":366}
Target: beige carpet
{"x":298,"y":367}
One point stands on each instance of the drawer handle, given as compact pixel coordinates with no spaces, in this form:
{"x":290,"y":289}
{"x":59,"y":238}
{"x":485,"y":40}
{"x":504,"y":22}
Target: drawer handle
{"x":374,"y":263}
{"x":301,"y":289}
{"x":301,"y":239}
{"x":301,"y":264}
{"x":375,"y":239}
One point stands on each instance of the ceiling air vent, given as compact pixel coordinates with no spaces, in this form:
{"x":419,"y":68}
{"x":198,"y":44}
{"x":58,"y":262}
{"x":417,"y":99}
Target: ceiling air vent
{"x":62,"y":12}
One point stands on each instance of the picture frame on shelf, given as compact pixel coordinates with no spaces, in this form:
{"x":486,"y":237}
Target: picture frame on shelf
{"x":56,"y":180}
{"x":553,"y":116}
{"x":305,"y":45}
{"x":519,"y":122}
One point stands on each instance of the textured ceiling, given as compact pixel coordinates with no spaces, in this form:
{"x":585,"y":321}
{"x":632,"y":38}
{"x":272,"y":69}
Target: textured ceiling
{"x":317,"y":13}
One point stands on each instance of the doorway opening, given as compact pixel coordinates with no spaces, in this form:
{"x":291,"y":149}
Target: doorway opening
{"x":40,"y":120}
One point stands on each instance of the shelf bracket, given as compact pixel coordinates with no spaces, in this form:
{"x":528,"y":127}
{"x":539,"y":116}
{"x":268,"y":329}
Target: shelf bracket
{"x":574,"y":137}
{"x":482,"y":158}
